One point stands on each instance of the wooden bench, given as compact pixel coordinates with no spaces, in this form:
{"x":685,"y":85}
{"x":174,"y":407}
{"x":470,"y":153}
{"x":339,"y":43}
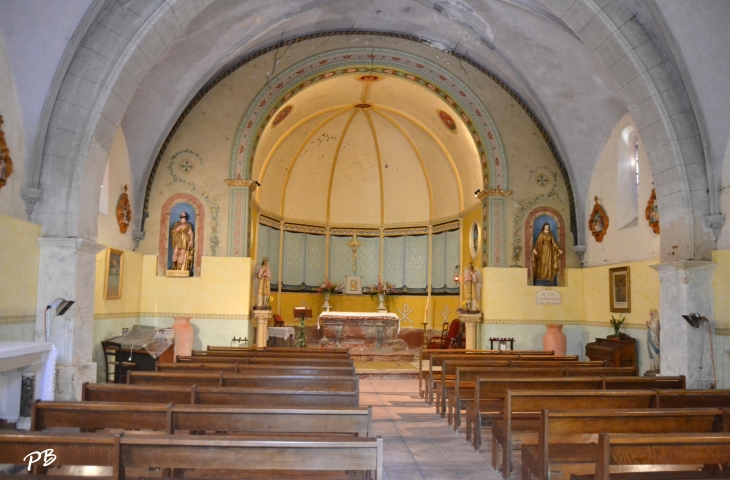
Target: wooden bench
{"x":283,"y":360}
{"x":567,"y":438}
{"x":466,"y":375}
{"x":693,"y":398}
{"x":223,"y":348}
{"x":276,"y":382}
{"x":519,"y":419}
{"x":226,"y":456}
{"x":426,"y":354}
{"x":261,"y":369}
{"x":666,"y":449}
{"x":268,"y":354}
{"x":108,"y":392}
{"x":170,"y":418}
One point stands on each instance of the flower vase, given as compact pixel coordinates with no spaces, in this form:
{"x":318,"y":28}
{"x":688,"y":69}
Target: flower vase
{"x":326,"y":307}
{"x":381,"y":307}
{"x":554,"y":339}
{"x":183,"y":336}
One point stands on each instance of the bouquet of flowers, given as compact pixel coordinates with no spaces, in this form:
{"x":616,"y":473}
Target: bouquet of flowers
{"x":381,"y":288}
{"x":329,"y":287}
{"x":616,"y":324}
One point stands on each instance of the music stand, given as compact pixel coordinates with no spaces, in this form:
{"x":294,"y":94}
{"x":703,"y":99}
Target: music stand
{"x":303,"y":313}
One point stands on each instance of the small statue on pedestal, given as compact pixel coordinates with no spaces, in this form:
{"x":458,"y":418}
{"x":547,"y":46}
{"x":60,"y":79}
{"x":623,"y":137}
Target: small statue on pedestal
{"x":471,"y":288}
{"x":263,"y":291}
{"x":652,"y":342}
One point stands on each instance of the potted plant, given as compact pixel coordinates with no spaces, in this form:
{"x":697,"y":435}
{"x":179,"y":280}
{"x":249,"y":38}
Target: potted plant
{"x":328,"y":288}
{"x":382,"y":290}
{"x":616,"y":324}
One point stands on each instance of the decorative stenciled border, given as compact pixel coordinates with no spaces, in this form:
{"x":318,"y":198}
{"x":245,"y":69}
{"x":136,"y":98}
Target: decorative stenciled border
{"x":294,"y":227}
{"x":16,"y":319}
{"x":238,"y":221}
{"x":269,"y":222}
{"x":355,"y":231}
{"x":396,"y":232}
{"x":492,"y":321}
{"x":445,"y":227}
{"x":200,"y":316}
{"x":497,"y":231}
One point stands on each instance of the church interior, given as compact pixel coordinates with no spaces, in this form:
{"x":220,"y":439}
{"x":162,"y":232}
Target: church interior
{"x":356,"y":177}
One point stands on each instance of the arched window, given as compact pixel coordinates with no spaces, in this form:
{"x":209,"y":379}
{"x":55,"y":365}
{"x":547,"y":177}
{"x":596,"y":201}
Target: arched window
{"x":627,"y":179}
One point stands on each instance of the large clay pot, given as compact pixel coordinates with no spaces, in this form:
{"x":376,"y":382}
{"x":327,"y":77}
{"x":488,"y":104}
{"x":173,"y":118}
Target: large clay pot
{"x":554,"y":339}
{"x":183,"y":336}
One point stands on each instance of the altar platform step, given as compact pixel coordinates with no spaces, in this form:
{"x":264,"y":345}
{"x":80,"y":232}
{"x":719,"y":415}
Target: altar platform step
{"x":376,"y":356}
{"x":385,"y":365}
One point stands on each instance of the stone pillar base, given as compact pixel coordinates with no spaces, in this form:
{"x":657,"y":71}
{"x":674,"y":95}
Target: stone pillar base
{"x":471,"y":320}
{"x":262,"y":326}
{"x":69,"y":380}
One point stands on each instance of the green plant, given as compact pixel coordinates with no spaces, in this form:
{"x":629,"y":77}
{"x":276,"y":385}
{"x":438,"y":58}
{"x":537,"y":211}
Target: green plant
{"x":616,"y":324}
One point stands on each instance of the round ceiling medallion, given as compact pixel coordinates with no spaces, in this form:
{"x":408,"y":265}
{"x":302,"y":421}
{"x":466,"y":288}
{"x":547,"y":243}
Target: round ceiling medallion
{"x":363,"y":106}
{"x":448,"y":121}
{"x":283,"y":113}
{"x":369,"y":78}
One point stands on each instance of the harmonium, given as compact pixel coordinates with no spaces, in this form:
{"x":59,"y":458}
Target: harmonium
{"x":616,"y":352}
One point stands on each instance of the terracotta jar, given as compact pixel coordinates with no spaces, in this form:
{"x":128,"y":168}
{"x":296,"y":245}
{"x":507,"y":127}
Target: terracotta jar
{"x":183,"y":336}
{"x":554,"y":339}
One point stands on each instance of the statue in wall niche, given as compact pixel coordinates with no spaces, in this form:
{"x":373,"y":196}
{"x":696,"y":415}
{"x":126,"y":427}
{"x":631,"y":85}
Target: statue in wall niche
{"x":545,"y":257}
{"x":471,"y":288}
{"x":183,"y":243}
{"x":6,"y":163}
{"x":652,"y":341}
{"x":263,"y":290}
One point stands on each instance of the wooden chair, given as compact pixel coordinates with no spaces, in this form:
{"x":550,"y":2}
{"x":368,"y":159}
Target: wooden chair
{"x":116,"y":369}
{"x":445,"y":340}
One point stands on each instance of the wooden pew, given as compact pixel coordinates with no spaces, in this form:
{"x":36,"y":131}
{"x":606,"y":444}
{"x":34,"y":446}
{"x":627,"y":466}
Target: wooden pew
{"x":489,"y":396}
{"x":260,"y":369}
{"x":173,"y":418}
{"x":693,"y":398}
{"x":466,"y":375}
{"x":425,"y":354}
{"x":227,"y":456}
{"x":437,"y":361}
{"x":223,"y":348}
{"x":283,"y":360}
{"x":267,"y":354}
{"x":566,"y":439}
{"x":276,"y":382}
{"x":107,"y":392}
{"x":520,"y":415}
{"x":616,"y":449}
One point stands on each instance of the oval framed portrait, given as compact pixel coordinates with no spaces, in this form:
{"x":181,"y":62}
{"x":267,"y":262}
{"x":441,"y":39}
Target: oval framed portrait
{"x":474,"y":240}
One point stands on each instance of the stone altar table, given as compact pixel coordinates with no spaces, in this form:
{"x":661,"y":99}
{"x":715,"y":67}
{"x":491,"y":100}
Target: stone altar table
{"x":359,"y":331}
{"x":27,"y":372}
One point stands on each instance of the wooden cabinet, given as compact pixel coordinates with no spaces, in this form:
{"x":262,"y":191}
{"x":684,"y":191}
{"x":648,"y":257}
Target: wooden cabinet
{"x":619,"y":352}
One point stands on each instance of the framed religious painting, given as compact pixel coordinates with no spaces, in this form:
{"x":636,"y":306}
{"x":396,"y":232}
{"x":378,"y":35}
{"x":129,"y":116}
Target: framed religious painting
{"x":113,"y":274}
{"x":353,"y":285}
{"x":474,"y":240}
{"x":619,"y":285}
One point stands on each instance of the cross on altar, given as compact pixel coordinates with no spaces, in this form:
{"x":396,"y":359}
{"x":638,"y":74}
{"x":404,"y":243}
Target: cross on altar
{"x":354,"y":244}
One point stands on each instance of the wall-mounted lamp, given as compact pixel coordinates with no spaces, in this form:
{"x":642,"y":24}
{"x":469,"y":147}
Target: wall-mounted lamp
{"x":254,"y":186}
{"x":479,"y":190}
{"x":60,"y":306}
{"x":456,"y":274}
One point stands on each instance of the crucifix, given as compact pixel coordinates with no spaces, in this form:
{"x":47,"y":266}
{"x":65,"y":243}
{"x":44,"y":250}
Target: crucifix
{"x":354,"y":245}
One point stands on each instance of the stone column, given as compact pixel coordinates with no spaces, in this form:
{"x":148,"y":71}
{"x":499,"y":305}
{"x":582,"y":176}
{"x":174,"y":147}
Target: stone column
{"x":67,"y":270}
{"x":471,"y":320}
{"x":686,"y":287}
{"x":262,"y":326}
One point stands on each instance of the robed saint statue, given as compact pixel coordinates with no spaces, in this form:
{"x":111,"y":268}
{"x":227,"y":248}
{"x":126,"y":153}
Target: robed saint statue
{"x":545,"y":258}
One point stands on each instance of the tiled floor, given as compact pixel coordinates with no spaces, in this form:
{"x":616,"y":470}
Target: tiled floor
{"x":418,"y":444}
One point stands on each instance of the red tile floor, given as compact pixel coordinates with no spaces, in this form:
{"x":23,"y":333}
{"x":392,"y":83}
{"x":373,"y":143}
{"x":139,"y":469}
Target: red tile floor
{"x":419,"y":444}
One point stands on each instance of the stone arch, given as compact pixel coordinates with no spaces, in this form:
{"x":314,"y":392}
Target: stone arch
{"x":528,"y":240}
{"x":661,"y":107}
{"x":164,"y":233}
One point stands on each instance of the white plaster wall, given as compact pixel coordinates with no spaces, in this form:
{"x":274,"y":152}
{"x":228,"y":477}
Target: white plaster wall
{"x":119,"y":176}
{"x":10,"y":202}
{"x":619,"y":244}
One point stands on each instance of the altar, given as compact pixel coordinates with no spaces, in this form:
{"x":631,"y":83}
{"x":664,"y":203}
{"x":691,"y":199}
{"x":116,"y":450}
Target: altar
{"x":27,"y":372}
{"x":359,"y":331}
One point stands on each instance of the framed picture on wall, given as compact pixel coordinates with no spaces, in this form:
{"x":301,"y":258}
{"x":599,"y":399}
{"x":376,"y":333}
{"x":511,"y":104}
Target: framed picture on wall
{"x":619,"y":285}
{"x":353,"y":285}
{"x":474,"y":240}
{"x":113,"y":274}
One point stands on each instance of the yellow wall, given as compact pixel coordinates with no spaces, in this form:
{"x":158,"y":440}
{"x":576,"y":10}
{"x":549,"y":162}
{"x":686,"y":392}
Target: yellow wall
{"x":131,"y":285}
{"x":507,"y":296}
{"x":19,"y":267}
{"x":644,"y":294}
{"x":222,"y":288}
{"x":722,"y":287}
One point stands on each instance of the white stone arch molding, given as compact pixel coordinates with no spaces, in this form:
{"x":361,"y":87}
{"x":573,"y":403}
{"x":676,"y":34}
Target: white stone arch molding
{"x":659,"y":99}
{"x":113,"y":48}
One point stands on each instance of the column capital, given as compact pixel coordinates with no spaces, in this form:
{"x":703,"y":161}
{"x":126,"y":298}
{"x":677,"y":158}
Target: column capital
{"x":470,"y":318}
{"x":80,"y":244}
